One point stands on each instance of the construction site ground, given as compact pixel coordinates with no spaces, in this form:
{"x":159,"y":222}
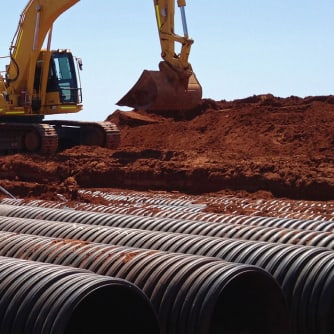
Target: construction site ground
{"x":249,"y":181}
{"x":258,"y":148}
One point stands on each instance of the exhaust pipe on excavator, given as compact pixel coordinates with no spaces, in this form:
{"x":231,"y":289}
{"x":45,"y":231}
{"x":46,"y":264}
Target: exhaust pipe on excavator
{"x":163,"y":90}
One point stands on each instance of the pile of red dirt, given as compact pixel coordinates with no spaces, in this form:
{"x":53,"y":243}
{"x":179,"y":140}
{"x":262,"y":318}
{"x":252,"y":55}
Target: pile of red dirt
{"x":281,"y":146}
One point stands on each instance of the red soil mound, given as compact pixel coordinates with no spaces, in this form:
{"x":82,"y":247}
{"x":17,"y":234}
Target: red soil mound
{"x":284,"y":146}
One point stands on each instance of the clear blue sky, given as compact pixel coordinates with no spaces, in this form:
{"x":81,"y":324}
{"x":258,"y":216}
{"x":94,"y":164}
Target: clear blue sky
{"x":242,"y":47}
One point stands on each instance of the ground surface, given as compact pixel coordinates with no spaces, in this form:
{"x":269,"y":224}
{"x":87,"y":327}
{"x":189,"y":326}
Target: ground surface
{"x":261,"y":146}
{"x":236,"y":163}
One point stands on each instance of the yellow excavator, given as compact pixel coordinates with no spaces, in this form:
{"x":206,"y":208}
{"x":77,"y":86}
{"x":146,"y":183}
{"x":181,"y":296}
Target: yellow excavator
{"x":39,"y":81}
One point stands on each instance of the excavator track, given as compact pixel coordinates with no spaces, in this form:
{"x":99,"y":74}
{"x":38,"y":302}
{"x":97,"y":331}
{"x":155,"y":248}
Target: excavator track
{"x":49,"y":137}
{"x":73,"y":133}
{"x":28,"y":137}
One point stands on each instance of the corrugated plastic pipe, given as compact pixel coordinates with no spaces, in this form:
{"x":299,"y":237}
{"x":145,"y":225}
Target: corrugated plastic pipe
{"x":50,"y":299}
{"x":180,"y":213}
{"x":191,"y":294}
{"x":278,"y":208}
{"x":304,"y":210}
{"x":289,"y":264}
{"x":246,"y":232}
{"x":305,"y":224}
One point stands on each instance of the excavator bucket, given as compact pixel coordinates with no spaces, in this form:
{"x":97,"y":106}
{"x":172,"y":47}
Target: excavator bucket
{"x":155,"y":91}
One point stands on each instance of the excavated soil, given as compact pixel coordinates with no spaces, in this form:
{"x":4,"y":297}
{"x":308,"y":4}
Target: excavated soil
{"x":261,"y":146}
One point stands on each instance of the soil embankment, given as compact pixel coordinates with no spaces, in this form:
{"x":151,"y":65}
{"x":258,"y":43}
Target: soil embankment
{"x":281,"y":146}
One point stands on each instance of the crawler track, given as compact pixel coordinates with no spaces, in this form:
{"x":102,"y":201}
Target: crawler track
{"x":32,"y":137}
{"x":72,"y":133}
{"x":51,"y":136}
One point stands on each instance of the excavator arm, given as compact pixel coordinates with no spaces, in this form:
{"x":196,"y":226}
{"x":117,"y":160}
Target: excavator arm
{"x":35,"y":23}
{"x":165,"y":14}
{"x":175,"y":86}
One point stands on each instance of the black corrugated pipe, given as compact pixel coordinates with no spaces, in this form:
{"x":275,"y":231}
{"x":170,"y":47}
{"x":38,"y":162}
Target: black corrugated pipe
{"x":237,"y":231}
{"x":50,"y":299}
{"x":289,"y":264}
{"x":168,"y":212}
{"x":191,"y":294}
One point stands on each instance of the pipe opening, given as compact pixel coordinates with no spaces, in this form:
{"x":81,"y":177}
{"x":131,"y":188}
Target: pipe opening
{"x":250,"y":304}
{"x":113,"y":309}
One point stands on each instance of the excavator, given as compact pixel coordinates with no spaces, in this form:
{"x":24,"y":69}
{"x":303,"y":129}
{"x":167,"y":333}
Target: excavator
{"x":40,"y":81}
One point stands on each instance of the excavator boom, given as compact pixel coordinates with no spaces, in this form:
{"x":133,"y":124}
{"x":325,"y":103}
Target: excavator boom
{"x":174,"y":86}
{"x":35,"y":22}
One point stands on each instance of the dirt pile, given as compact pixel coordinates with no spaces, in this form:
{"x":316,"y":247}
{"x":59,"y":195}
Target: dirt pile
{"x":283,"y":146}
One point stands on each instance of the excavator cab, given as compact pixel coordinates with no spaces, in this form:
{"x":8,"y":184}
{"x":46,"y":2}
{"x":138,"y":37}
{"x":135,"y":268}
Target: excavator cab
{"x":175,"y":85}
{"x":56,"y":82}
{"x":63,"y":73}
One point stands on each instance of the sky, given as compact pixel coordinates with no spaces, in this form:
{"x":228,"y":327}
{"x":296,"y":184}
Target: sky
{"x":241,"y":47}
